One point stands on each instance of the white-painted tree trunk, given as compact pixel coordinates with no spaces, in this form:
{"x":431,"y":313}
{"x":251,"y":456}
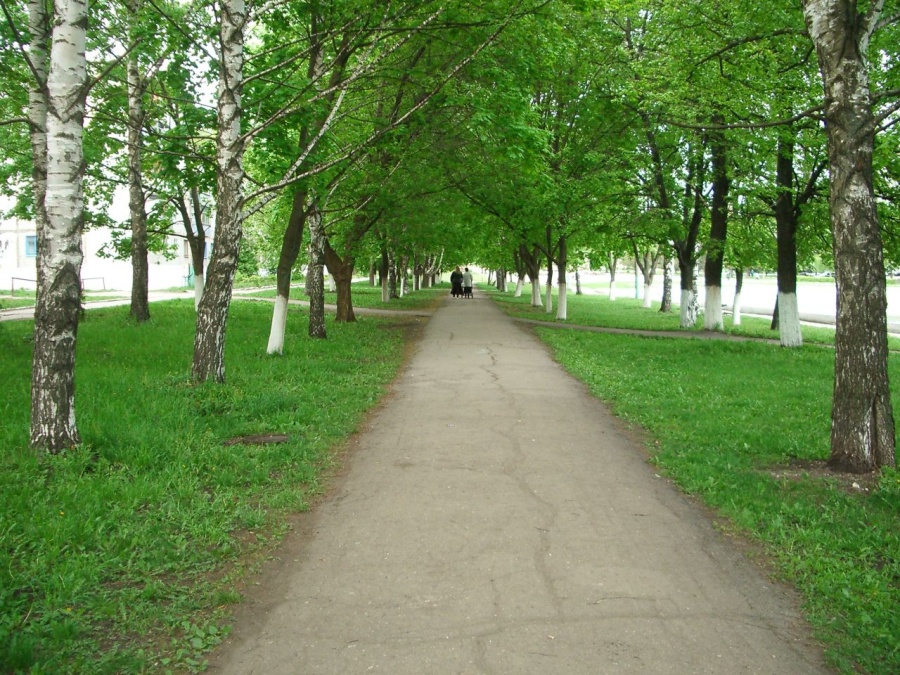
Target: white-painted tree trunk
{"x":736,"y":310}
{"x":688,"y":309}
{"x":612,"y":289}
{"x":519,"y":284}
{"x":648,"y":301}
{"x":789,"y":331}
{"x":198,"y":289}
{"x":712,"y":312}
{"x":561,"y":302}
{"x":279,"y":325}
{"x":549,"y":294}
{"x":536,"y":294}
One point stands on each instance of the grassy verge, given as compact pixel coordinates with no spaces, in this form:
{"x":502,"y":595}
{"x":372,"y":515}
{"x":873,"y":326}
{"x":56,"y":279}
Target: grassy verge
{"x":20,"y":298}
{"x":745,"y":426}
{"x":27,"y":299}
{"x":14,"y":303}
{"x":628,"y":313}
{"x":369,"y":297}
{"x":124,"y":556}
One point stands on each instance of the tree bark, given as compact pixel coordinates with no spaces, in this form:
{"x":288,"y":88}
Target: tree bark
{"x":393,"y":276}
{"x":613,"y":264}
{"x":140,"y":268}
{"x":195,"y":234}
{"x":646,"y":261}
{"x":341,"y":270}
{"x":212,"y":313}
{"x":715,"y":253}
{"x":290,"y":250}
{"x":532,"y":268}
{"x":862,"y":428}
{"x":315,"y":274}
{"x":789,"y":331}
{"x":53,"y":426}
{"x":666,"y":305}
{"x":549,"y":287}
{"x":738,"y":287}
{"x":384,"y":273}
{"x":562,"y":290}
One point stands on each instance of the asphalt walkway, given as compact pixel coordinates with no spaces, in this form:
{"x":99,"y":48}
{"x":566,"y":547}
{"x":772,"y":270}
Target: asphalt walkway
{"x":495,"y":519}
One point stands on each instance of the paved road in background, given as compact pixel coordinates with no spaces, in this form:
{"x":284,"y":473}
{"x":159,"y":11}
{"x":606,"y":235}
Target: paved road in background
{"x":495,"y":519}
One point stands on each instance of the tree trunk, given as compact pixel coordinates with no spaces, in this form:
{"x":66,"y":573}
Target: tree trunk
{"x":195,"y":233}
{"x":613,"y":264}
{"x":342,"y":272}
{"x":549,"y":290}
{"x":862,"y":428}
{"x":789,"y":331}
{"x":529,"y":260}
{"x":140,"y":269}
{"x":738,"y":286}
{"x":58,"y":304}
{"x":384,"y":274}
{"x":666,"y":305}
{"x":561,"y":299}
{"x":645,"y":261}
{"x":715,"y":253}
{"x":686,"y":249}
{"x":315,"y":274}
{"x":212,"y":314}
{"x":287,"y":258}
{"x":393,"y":277}
{"x":688,"y":296}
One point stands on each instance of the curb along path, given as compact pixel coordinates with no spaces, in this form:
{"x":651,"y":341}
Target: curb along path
{"x":494,"y":520}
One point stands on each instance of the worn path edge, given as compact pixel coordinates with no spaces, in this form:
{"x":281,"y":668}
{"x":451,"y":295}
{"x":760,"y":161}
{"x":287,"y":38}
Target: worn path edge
{"x":494,"y":518}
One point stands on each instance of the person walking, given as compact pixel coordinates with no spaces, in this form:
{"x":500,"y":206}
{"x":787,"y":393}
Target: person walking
{"x":467,"y":283}
{"x":456,"y":282}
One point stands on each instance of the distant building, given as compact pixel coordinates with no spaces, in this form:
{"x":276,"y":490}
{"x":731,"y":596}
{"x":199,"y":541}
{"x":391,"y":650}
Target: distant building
{"x":18,"y":258}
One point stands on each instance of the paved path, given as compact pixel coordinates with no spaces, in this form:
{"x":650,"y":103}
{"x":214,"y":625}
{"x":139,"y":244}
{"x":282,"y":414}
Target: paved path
{"x":494,"y":519}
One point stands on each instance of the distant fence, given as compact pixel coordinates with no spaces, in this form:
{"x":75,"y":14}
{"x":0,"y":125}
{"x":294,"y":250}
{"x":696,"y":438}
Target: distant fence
{"x":100,"y":279}
{"x":12,"y":288}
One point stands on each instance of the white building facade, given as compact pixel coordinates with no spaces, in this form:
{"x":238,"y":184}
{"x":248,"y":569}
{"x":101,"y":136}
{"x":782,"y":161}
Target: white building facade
{"x":18,"y":260}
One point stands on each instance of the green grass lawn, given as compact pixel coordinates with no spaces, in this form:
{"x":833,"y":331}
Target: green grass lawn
{"x":27,"y":299}
{"x":125,"y":555}
{"x":19,"y":298}
{"x":366,"y":296}
{"x":14,"y":303}
{"x":745,"y":426}
{"x":629,"y":313}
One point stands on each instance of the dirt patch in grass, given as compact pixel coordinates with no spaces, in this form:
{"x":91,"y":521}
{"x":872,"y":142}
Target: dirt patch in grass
{"x":818,"y":470}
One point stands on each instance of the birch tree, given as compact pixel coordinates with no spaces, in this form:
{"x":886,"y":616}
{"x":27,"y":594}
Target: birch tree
{"x":862,"y":418}
{"x":212,"y":312}
{"x":53,"y":425}
{"x":136,"y":85}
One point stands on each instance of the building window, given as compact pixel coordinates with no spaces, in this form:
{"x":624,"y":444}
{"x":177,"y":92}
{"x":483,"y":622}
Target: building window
{"x":31,"y":245}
